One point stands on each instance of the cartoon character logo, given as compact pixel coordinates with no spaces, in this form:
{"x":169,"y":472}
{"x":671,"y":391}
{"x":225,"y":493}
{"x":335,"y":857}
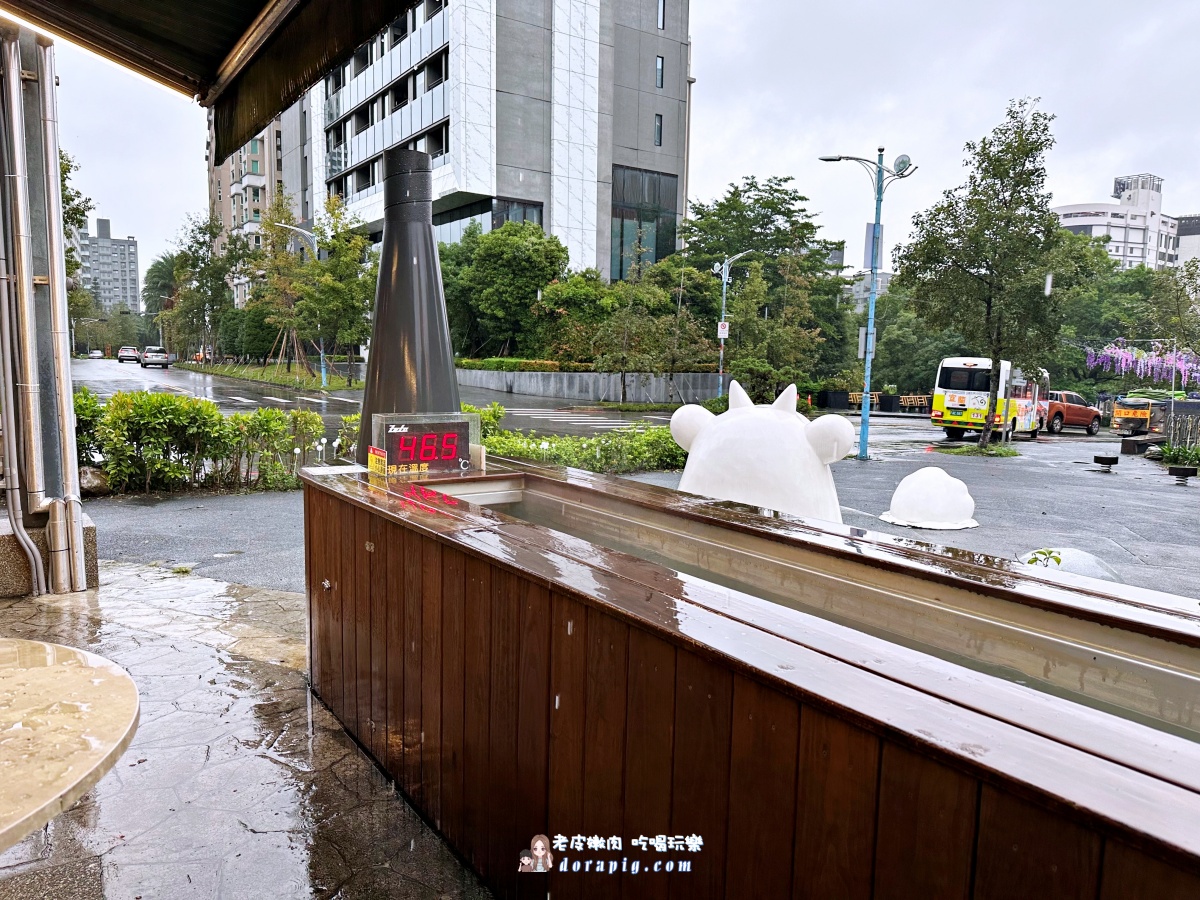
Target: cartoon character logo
{"x":538,"y":857}
{"x":765,"y":456}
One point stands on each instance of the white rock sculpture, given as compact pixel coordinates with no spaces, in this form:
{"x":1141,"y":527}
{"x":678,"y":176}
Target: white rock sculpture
{"x":768,"y":456}
{"x":1068,"y":559}
{"x":932,"y":498}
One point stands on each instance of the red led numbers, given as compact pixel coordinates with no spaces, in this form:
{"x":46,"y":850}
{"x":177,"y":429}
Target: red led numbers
{"x":436,"y":450}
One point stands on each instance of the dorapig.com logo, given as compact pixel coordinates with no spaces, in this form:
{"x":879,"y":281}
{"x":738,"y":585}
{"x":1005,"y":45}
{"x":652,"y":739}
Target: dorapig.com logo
{"x":594,"y":854}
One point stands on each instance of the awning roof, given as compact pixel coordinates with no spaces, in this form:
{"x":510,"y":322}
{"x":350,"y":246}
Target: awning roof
{"x":248,"y":59}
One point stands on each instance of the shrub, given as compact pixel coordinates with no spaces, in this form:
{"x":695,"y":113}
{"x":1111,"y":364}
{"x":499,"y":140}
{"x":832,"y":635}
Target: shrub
{"x":1177,"y":455}
{"x":489,"y":418}
{"x":164,"y":442}
{"x":718,"y":405}
{"x":633,"y":449}
{"x":88,"y":410}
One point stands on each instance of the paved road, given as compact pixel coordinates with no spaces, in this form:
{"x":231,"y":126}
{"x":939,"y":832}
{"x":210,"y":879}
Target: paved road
{"x":107,"y":376}
{"x":1053,"y":495}
{"x":546,"y":415}
{"x":1136,"y":519}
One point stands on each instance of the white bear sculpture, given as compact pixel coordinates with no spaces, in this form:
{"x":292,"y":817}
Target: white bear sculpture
{"x":765,"y":456}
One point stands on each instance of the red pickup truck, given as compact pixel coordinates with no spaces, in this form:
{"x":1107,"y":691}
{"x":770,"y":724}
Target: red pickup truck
{"x":1068,"y":408}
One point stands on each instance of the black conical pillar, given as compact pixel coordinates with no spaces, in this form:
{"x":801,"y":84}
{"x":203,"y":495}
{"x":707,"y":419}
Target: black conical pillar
{"x":411,"y":366}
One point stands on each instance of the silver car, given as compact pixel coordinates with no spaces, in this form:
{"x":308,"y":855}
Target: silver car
{"x":155,"y":356}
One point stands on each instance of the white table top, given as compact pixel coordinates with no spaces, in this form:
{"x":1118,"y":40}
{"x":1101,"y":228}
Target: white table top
{"x":66,"y":716}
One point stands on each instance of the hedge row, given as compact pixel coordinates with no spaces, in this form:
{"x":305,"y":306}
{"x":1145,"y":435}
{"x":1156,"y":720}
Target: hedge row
{"x":165,"y":442}
{"x":511,"y":364}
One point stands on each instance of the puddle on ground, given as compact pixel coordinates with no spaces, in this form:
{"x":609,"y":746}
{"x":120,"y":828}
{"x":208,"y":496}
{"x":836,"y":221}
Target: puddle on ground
{"x":238,"y":782}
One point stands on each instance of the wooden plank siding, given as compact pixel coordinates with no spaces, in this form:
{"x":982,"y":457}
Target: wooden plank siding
{"x":505,"y":707}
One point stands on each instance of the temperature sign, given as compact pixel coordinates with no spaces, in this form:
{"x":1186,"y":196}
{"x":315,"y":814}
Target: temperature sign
{"x":416,"y":447}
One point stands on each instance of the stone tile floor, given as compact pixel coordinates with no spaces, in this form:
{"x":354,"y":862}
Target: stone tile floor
{"x":239,"y":783}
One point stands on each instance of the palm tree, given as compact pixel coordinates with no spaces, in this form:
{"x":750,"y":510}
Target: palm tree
{"x":159,"y":283}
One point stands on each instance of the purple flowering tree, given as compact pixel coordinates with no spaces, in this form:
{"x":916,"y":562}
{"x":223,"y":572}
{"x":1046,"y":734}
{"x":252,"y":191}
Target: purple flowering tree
{"x":1156,"y":364}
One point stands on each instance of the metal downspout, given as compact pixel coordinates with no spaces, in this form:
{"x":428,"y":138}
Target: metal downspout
{"x":8,"y":424}
{"x":28,"y":384}
{"x":60,"y":325}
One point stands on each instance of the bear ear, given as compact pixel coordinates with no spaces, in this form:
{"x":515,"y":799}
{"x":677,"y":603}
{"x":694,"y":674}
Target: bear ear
{"x":687,"y":422}
{"x":786,"y":402}
{"x":832,"y":437}
{"x":738,"y":398}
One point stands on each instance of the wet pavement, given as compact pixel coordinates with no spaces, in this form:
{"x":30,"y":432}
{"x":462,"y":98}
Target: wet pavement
{"x":546,"y":415}
{"x":238,"y":782}
{"x":1053,"y":495}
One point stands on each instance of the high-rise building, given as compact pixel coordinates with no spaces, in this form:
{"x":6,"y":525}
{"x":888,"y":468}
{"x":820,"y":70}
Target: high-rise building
{"x":568,"y":113}
{"x":109,"y":267}
{"x":1139,"y":234}
{"x":1189,"y":238}
{"x":241,"y":188}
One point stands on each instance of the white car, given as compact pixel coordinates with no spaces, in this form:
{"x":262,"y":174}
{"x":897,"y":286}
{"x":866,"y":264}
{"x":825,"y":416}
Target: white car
{"x":96,"y":354}
{"x":155,"y":356}
{"x":127,"y":354}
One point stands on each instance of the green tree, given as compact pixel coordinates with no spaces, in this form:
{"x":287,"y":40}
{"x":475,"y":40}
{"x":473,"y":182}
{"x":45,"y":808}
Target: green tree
{"x":158,"y":285}
{"x":687,"y":286}
{"x":338,"y":291}
{"x":282,"y":279}
{"x":682,"y":345}
{"x":567,"y":316}
{"x":779,"y":335}
{"x":258,"y":336}
{"x":979,"y":258}
{"x":75,"y":207}
{"x":229,"y":334}
{"x":1173,"y":310}
{"x":768,"y":218}
{"x":631,"y":338}
{"x":202,"y":274}
{"x":456,"y":260}
{"x":509,"y":267}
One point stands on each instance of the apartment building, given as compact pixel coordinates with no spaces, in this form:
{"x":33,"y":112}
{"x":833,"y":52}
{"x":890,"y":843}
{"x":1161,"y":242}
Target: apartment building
{"x":109,"y":267}
{"x":241,"y":188}
{"x":568,"y":113}
{"x":1189,"y":238}
{"x":1138,"y":231}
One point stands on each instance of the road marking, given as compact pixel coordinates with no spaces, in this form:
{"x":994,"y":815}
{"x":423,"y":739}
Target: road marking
{"x":241,"y":399}
{"x":276,"y":399}
{"x":344,"y":400}
{"x":314,"y":399}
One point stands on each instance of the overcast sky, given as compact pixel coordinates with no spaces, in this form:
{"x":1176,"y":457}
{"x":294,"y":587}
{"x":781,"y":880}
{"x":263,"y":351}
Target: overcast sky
{"x":779,"y":83}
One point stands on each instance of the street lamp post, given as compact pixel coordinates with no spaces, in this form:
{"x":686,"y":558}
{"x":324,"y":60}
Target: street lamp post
{"x":722,"y":269}
{"x":77,"y":322}
{"x":312,"y":243}
{"x":881,"y":177}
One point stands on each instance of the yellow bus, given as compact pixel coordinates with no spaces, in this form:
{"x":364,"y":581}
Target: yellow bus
{"x":960,"y":398}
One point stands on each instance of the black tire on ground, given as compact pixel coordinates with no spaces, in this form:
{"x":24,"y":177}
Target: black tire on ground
{"x":143,"y":365}
{"x":1034,"y":434}
{"x":955,"y":434}
{"x":1056,"y":424}
{"x":1094,"y":426}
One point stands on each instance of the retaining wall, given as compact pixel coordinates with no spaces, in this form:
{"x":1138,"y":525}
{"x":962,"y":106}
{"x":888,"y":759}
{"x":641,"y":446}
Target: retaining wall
{"x":689,"y":387}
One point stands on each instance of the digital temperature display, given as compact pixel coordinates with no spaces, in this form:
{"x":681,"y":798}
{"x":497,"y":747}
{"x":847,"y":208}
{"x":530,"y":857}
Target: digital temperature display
{"x":417,"y":447}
